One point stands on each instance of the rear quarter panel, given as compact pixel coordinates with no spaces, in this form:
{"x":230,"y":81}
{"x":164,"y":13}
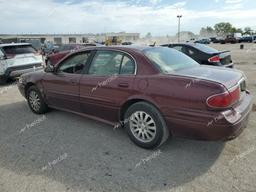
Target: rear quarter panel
{"x":179,"y":99}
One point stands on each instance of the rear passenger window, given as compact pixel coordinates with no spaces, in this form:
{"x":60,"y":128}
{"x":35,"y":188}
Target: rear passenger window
{"x":178,"y":48}
{"x":191,"y":52}
{"x":111,"y":63}
{"x":106,"y":63}
{"x":128,"y":66}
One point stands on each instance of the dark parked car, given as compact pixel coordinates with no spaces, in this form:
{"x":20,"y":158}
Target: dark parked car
{"x":229,"y":39}
{"x":63,"y":50}
{"x":153,"y":92}
{"x":247,"y":39}
{"x":203,"y":41}
{"x":203,"y":54}
{"x":254,"y":39}
{"x":127,"y":43}
{"x":216,"y":39}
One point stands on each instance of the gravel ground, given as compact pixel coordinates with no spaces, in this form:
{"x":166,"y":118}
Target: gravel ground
{"x":62,"y":152}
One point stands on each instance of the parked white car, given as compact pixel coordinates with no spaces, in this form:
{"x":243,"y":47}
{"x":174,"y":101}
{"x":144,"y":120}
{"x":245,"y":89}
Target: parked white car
{"x":17,"y":59}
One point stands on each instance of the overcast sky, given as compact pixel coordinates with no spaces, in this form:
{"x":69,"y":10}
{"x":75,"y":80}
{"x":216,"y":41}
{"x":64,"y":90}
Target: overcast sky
{"x":97,"y":16}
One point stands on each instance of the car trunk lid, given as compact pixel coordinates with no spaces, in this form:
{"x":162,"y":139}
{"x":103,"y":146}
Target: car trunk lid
{"x":224,"y":57}
{"x":227,"y":77}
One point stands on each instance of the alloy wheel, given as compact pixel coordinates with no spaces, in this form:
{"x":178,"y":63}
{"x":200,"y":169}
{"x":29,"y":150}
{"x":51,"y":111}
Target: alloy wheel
{"x":143,"y":126}
{"x":34,"y":100}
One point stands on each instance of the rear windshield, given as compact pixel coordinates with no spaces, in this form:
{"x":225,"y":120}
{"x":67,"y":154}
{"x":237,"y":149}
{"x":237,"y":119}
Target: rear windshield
{"x":20,"y":49}
{"x":169,"y":60}
{"x":205,"y":48}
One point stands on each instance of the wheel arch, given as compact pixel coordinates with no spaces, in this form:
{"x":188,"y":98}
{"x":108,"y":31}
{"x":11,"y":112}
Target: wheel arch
{"x":131,"y":101}
{"x":28,"y":85}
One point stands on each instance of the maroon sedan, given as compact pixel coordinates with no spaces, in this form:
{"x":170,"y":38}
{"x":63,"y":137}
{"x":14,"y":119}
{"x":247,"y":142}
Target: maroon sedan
{"x":153,"y":92}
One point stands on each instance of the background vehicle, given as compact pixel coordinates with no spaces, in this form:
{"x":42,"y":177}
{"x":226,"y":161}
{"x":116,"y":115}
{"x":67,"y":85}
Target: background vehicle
{"x":216,"y":39}
{"x":17,"y":59}
{"x":36,"y":43}
{"x":63,"y":50}
{"x":127,"y":43}
{"x":247,"y":39}
{"x":254,"y":38}
{"x":203,"y":41}
{"x":203,"y":54}
{"x":152,"y":91}
{"x":230,"y":39}
{"x":113,"y":41}
{"x":48,"y":48}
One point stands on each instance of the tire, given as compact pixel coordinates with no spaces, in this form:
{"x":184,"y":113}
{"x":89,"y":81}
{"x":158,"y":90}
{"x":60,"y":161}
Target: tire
{"x":35,"y":101}
{"x":138,"y":127}
{"x":3,"y":80}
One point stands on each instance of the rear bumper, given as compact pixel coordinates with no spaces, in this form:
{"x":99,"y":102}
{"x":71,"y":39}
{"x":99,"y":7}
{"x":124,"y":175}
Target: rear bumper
{"x":19,"y":70}
{"x":225,"y":125}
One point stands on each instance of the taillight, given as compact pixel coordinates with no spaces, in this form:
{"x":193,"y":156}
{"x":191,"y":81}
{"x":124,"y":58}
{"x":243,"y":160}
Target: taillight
{"x":224,"y":100}
{"x":214,"y":59}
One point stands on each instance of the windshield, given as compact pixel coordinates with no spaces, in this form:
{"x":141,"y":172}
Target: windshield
{"x":169,"y":60}
{"x":205,"y":48}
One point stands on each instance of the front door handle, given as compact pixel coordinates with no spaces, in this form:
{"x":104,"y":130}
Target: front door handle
{"x":123,"y":84}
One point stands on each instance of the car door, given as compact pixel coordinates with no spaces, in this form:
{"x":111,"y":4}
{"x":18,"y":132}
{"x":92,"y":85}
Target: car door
{"x":62,"y":86}
{"x":107,"y":84}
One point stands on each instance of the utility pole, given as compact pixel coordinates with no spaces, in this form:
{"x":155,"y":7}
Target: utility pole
{"x":179,"y":17}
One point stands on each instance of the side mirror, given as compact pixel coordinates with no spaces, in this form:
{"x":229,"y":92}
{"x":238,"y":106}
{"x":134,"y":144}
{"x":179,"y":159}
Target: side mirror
{"x":49,"y":69}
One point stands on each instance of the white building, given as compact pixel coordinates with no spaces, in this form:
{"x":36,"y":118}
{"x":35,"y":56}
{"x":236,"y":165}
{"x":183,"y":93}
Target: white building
{"x":70,"y":38}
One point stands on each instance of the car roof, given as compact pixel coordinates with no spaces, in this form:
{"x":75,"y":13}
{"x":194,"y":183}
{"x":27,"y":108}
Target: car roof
{"x":191,"y":44}
{"x":198,"y":46}
{"x":13,"y":44}
{"x":128,"y":48}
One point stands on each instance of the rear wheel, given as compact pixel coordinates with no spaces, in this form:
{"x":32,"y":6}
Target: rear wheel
{"x":36,"y":101}
{"x":146,"y":126}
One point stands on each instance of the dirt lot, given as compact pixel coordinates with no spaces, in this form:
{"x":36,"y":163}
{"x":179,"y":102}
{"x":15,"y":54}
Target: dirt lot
{"x":63,"y":152}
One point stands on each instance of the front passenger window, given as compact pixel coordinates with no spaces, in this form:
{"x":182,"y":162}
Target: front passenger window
{"x":74,"y":64}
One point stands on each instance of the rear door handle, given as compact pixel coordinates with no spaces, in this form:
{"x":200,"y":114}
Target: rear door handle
{"x":124,"y":85}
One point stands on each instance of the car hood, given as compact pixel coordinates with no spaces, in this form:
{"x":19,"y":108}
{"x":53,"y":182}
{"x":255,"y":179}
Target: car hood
{"x":227,"y":77}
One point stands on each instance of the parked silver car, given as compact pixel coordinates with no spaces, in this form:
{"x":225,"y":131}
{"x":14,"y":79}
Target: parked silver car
{"x":17,"y":59}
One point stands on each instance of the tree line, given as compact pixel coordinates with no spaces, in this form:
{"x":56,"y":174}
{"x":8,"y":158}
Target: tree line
{"x":225,"y":28}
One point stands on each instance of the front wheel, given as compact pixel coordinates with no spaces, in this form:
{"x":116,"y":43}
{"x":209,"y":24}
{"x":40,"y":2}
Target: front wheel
{"x":3,"y":80}
{"x":36,"y":101}
{"x":145,"y":125}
